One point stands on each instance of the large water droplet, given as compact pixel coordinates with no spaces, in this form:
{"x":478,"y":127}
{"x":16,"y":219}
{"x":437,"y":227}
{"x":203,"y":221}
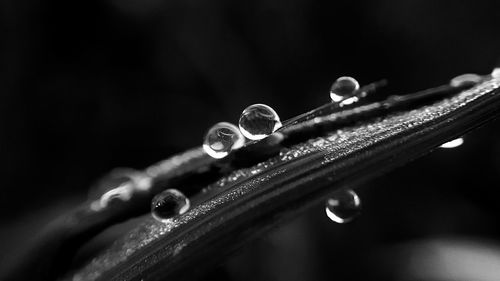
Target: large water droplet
{"x":221,"y":139}
{"x":168,"y":204}
{"x":343,"y":206}
{"x":465,"y":79}
{"x":343,"y":87}
{"x":259,"y":121}
{"x":452,"y":144}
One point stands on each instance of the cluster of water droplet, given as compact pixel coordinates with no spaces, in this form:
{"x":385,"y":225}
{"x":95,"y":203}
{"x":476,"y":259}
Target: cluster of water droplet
{"x":343,"y":206}
{"x":256,"y":122}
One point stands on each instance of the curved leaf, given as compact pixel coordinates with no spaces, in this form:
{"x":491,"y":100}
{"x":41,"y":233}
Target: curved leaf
{"x":247,"y":202}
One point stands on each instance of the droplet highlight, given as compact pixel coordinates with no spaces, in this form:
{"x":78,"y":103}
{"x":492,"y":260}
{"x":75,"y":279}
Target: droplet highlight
{"x":342,"y":88}
{"x":496,"y":73}
{"x":168,"y":204}
{"x":468,"y":79}
{"x":259,"y":121}
{"x":452,"y":144}
{"x":343,"y":206}
{"x":221,"y":139}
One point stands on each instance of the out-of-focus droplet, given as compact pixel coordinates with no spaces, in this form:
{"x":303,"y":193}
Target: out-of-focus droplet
{"x":259,"y":121}
{"x":139,"y":181}
{"x":142,"y":181}
{"x":120,"y":193}
{"x":496,"y":73}
{"x":452,"y":144}
{"x":221,"y":139}
{"x":343,"y":206}
{"x":118,"y":185}
{"x":111,"y":180}
{"x":168,"y":204}
{"x":465,"y":80}
{"x":342,"y":88}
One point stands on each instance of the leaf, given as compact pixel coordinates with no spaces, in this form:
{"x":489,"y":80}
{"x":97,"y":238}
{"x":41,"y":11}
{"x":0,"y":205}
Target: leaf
{"x":249,"y":201}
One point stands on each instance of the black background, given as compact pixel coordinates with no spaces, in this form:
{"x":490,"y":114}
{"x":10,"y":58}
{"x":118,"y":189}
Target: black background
{"x":87,"y":86}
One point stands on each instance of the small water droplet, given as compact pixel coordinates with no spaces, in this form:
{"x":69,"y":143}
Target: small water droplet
{"x":221,"y":139}
{"x":343,"y":206}
{"x":465,"y":79}
{"x":343,"y":87}
{"x":259,"y":121}
{"x":168,"y":204}
{"x":452,"y":144}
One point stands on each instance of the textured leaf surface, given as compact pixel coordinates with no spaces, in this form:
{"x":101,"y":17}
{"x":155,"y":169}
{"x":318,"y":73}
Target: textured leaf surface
{"x":249,"y":201}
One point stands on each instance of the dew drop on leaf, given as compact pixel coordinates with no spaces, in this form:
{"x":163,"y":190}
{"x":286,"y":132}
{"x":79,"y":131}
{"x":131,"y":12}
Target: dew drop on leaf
{"x":343,"y":206}
{"x":221,"y":139}
{"x":259,"y":121}
{"x":168,"y":204}
{"x":343,"y":87}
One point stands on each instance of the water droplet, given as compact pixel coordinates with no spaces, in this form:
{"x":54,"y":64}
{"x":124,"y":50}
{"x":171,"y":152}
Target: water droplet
{"x":452,"y":144}
{"x":343,"y":87}
{"x":465,"y":79}
{"x":343,"y":206}
{"x":221,"y":139}
{"x":169,"y":203}
{"x":259,"y":121}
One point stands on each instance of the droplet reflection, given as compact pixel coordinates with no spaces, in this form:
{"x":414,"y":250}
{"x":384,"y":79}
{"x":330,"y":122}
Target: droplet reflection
{"x":168,"y":204}
{"x":452,"y":144}
{"x":221,"y":139}
{"x":343,"y":206}
{"x":259,"y":121}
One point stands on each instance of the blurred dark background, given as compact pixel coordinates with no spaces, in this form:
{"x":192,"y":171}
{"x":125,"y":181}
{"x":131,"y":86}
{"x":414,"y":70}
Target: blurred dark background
{"x":87,"y":86}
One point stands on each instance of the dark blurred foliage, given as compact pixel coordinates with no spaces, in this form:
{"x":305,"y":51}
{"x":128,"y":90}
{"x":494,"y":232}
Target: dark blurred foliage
{"x":87,"y":86}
